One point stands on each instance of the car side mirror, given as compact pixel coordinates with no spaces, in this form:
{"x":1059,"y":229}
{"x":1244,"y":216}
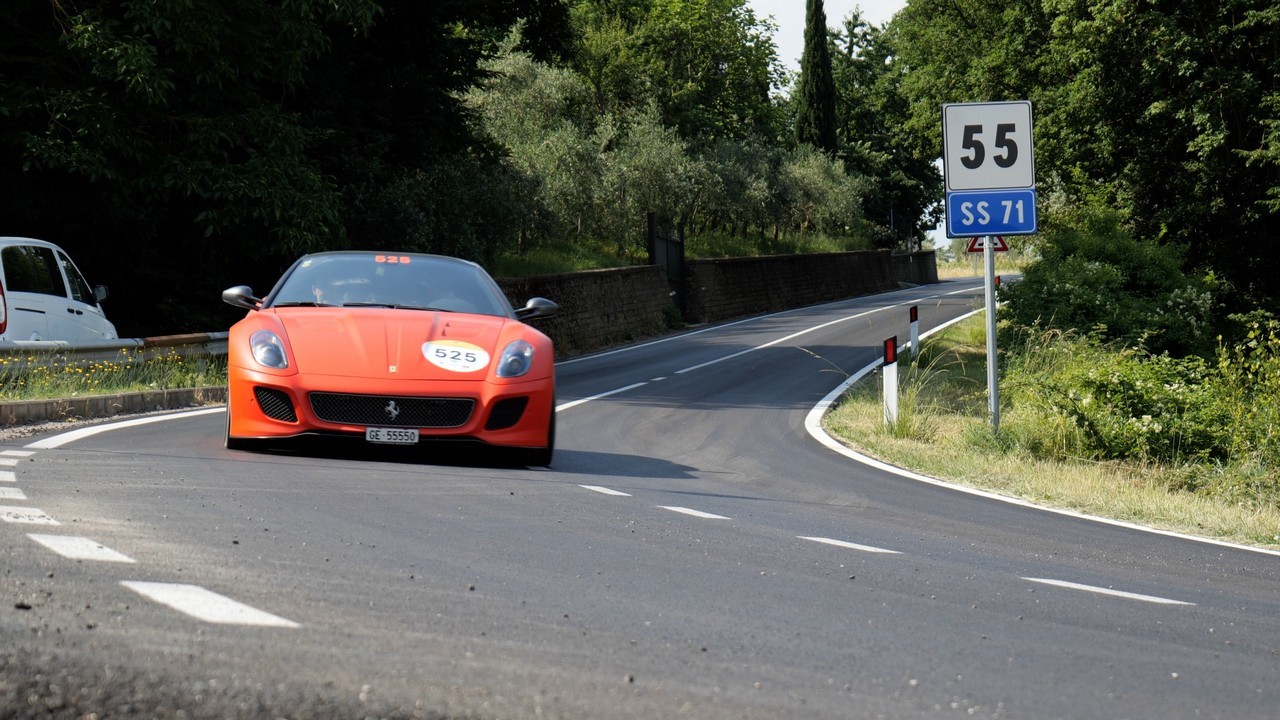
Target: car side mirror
{"x":537,"y":308}
{"x":241,"y":296}
{"x":100,"y":292}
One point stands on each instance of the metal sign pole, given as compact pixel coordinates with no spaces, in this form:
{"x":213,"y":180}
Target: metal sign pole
{"x":993,"y":387}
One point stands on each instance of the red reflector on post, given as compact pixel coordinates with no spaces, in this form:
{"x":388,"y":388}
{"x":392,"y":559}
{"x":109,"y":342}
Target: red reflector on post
{"x":915,"y":313}
{"x":891,"y":350}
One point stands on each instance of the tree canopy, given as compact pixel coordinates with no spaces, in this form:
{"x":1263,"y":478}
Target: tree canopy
{"x":1165,"y":112}
{"x":179,"y":146}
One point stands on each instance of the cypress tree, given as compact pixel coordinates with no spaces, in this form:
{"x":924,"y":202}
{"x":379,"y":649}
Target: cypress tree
{"x":816,"y":91}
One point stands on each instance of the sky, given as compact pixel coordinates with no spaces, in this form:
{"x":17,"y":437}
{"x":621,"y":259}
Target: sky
{"x":789,"y":16}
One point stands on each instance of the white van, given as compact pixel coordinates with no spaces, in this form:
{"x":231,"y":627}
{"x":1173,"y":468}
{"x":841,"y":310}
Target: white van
{"x":44,"y":297}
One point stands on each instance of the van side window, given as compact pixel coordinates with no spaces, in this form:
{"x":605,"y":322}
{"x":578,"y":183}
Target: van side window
{"x":80,"y":289}
{"x":30,"y":268}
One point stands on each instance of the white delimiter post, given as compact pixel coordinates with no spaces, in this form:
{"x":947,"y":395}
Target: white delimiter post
{"x":993,"y":387}
{"x":915,"y":330}
{"x":890,"y":383}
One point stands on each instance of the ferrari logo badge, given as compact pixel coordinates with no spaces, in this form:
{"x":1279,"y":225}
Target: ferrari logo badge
{"x":392,"y":409}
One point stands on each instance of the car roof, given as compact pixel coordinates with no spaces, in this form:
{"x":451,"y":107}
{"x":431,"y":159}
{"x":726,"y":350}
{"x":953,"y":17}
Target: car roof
{"x":427,"y":256}
{"x":27,"y":241}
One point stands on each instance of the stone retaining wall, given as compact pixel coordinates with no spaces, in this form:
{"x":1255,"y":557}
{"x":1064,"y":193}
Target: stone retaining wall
{"x":603,"y":308}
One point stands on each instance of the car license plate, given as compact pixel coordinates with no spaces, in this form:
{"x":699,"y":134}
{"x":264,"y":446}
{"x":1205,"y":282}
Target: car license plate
{"x":392,"y":436}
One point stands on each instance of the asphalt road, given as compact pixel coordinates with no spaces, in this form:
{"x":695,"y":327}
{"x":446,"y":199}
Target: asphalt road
{"x":692,"y":552}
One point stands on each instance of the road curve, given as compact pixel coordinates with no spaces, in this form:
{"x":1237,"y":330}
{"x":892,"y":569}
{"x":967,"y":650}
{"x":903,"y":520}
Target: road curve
{"x":693,"y":552}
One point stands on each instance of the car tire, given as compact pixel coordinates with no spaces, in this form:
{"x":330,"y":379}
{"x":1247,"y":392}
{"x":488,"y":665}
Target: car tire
{"x":235,"y":443}
{"x":541,"y":457}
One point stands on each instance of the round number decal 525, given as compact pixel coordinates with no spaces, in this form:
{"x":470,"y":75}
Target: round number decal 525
{"x":455,"y":356}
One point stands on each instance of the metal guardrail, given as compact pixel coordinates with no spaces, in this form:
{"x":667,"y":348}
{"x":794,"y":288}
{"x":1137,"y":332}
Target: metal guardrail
{"x":189,"y":345}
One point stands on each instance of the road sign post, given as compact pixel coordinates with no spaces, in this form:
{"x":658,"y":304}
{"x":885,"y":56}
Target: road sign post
{"x":988,"y":162}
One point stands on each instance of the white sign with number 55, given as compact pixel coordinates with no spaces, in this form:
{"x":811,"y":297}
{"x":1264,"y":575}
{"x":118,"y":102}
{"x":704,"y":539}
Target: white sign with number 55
{"x":988,"y":146}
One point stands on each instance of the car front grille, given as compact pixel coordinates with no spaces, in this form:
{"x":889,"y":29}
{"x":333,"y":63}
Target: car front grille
{"x":275,"y":404}
{"x":390,"y":411}
{"x":506,"y":413}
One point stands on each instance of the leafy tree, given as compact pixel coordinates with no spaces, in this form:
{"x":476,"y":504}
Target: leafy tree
{"x":710,"y":65}
{"x":1165,"y":111}
{"x":816,"y":95}
{"x":871,"y":110}
{"x":1174,"y":111}
{"x":206,"y":143}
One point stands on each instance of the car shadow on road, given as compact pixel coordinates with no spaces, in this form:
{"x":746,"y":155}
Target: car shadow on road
{"x":590,"y":462}
{"x":476,"y":455}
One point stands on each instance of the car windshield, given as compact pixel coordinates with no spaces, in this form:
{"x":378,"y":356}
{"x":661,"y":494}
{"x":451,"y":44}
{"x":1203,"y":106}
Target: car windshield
{"x":410,"y":282}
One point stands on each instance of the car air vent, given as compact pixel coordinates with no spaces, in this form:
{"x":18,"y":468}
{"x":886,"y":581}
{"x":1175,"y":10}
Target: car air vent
{"x":275,"y":404}
{"x":506,"y":413}
{"x":390,"y":411}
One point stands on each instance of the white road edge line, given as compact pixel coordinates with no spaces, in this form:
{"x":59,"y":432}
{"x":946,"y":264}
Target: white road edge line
{"x":604,"y":490}
{"x":813,"y":424}
{"x":1107,"y":591}
{"x":206,"y":605}
{"x":849,"y":545}
{"x":80,"y":548}
{"x":740,"y":353}
{"x":694,"y":513}
{"x":56,"y":441}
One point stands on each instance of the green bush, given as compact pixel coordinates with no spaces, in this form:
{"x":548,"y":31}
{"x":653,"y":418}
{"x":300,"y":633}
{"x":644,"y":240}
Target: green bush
{"x":1078,"y":397}
{"x":1095,"y":277}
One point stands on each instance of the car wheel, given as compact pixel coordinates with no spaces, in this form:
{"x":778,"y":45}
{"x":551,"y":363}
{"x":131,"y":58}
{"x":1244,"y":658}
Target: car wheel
{"x":541,"y":457}
{"x":234,"y":443}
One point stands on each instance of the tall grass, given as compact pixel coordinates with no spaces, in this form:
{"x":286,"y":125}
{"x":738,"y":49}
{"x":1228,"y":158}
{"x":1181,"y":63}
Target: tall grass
{"x":1063,"y":442}
{"x":50,"y":375}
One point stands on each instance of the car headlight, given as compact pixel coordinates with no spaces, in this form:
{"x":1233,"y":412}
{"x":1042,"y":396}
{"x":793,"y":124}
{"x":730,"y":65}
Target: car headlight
{"x":516,"y":360}
{"x":268,"y":350}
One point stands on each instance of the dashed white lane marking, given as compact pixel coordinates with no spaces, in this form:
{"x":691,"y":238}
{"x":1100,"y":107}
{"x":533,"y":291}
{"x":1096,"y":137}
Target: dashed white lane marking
{"x":11,"y":493}
{"x":605,"y":490}
{"x":17,"y":453}
{"x":80,"y":548}
{"x":206,"y":605}
{"x":849,"y":545}
{"x":25,"y":515}
{"x":9,"y":461}
{"x":8,"y":476}
{"x":1107,"y":591}
{"x":694,"y":513}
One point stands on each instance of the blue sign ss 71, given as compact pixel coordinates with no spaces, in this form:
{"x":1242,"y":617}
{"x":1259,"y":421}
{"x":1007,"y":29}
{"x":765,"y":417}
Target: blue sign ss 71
{"x":991,"y":212}
{"x":989,"y":168}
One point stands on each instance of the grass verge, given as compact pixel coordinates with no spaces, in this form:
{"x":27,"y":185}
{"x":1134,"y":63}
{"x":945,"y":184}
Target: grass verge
{"x":943,"y":431}
{"x":52,"y":375}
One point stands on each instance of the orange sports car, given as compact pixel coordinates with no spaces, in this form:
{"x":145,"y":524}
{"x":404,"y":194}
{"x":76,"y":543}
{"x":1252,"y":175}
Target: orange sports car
{"x":390,"y":348}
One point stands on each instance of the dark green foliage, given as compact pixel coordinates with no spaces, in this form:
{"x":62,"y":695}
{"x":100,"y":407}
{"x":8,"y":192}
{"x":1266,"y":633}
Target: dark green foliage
{"x":871,"y":112}
{"x":815,"y":91}
{"x":1165,"y":111}
{"x":175,"y":148}
{"x":709,"y":65}
{"x":1094,"y":276}
{"x":1209,"y":425}
{"x":1119,"y":405}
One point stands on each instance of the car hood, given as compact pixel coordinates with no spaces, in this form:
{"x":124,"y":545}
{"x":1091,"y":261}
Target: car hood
{"x":387,"y":343}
